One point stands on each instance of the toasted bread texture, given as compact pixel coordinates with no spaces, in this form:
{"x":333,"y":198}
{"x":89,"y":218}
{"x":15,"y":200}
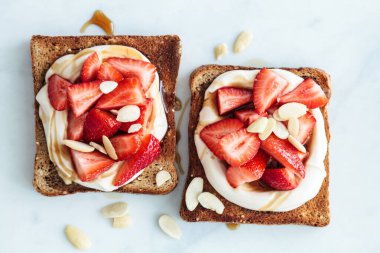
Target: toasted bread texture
{"x":163,"y":51}
{"x":314,"y":213}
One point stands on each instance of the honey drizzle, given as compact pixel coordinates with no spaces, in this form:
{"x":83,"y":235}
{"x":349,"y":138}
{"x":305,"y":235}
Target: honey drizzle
{"x":178,"y":136}
{"x":232,"y":226}
{"x":101,"y":20}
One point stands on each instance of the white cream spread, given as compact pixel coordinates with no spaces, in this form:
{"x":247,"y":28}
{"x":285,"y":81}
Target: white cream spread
{"x":251,"y":197}
{"x":55,"y":122}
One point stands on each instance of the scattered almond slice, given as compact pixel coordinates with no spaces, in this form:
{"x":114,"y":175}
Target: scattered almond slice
{"x":220,"y":51}
{"x":192,"y":192}
{"x":162,"y":177}
{"x":296,"y":144}
{"x":108,"y":86}
{"x":258,"y":126}
{"x":280,"y":130}
{"x":122,"y":222}
{"x":277,"y":117}
{"x":109,"y":148}
{"x":293,"y":126}
{"x":268,"y":129}
{"x":78,"y":146}
{"x":115,"y":210}
{"x":114,"y":112}
{"x":292,"y":110}
{"x":210,"y":201}
{"x":134,"y":128}
{"x":169,"y":226}
{"x":242,"y":41}
{"x":128,"y":113}
{"x":77,"y":237}
{"x":98,"y":147}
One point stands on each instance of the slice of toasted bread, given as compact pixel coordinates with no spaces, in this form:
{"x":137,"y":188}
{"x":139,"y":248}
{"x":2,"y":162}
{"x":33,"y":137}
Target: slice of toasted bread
{"x":163,"y":51}
{"x":315,"y":212}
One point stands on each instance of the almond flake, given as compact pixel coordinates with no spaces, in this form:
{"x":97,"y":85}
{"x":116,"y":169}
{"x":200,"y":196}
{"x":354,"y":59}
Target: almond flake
{"x":114,"y":112}
{"x":242,"y":41}
{"x":258,"y":126}
{"x":169,"y":226}
{"x":162,"y":177}
{"x":293,"y":126}
{"x":292,"y":110}
{"x":192,"y":192}
{"x":277,"y":117}
{"x":109,"y":148}
{"x":77,"y":237}
{"x":296,"y":144}
{"x":108,"y":86}
{"x":98,"y":147}
{"x":220,"y":51}
{"x":268,"y":129}
{"x":210,"y":201}
{"x":280,"y":130}
{"x":115,"y":210}
{"x":134,"y":128}
{"x":128,"y":113}
{"x":78,"y":146}
{"x":122,"y":222}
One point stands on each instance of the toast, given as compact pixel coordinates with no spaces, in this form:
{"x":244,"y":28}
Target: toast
{"x":314,"y":212}
{"x":163,"y":51}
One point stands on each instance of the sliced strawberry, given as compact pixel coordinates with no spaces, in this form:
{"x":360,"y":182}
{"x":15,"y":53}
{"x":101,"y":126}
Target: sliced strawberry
{"x":285,"y":153}
{"x":307,"y":123}
{"x":248,"y":116}
{"x":126,"y":145}
{"x":128,"y":92}
{"x":308,"y":93}
{"x":149,"y":150}
{"x":90,"y":68}
{"x":145,"y":71}
{"x":230,"y":98}
{"x":239,"y":147}
{"x":266,"y":88}
{"x":90,"y":165}
{"x":212,"y":133}
{"x":57,"y":92}
{"x":75,"y":126}
{"x":144,"y":120}
{"x":108,"y":73}
{"x":83,"y":95}
{"x":249,"y":172}
{"x":281,"y":179}
{"x":99,"y":123}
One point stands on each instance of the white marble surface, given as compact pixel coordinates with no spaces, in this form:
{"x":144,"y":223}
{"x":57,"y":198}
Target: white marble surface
{"x":342,"y":37}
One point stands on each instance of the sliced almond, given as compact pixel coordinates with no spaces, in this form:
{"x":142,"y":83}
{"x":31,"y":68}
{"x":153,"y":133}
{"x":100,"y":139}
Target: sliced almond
{"x":292,"y":110}
{"x":134,"y":128}
{"x":162,"y":177}
{"x":128,"y":113}
{"x":268,"y":129}
{"x":122,"y":222}
{"x":298,"y":145}
{"x":109,"y":148}
{"x":192,"y":192}
{"x":78,"y":146}
{"x":169,"y":226}
{"x":98,"y":147}
{"x":293,"y":126}
{"x":277,"y":117}
{"x":210,"y":201}
{"x":220,"y":51}
{"x":115,"y":210}
{"x":258,"y":126}
{"x":242,"y":41}
{"x":77,"y":237}
{"x":114,"y":112}
{"x":280,"y":130}
{"x":108,"y":86}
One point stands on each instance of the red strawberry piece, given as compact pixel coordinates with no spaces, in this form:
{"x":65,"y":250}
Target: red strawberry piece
{"x":308,"y":93}
{"x":230,"y":98}
{"x":144,"y":119}
{"x":99,"y":123}
{"x":75,"y":126}
{"x":108,"y":73}
{"x":281,"y":179}
{"x":285,"y":153}
{"x":126,"y":145}
{"x":90,"y":68}
{"x":90,"y":165}
{"x":249,"y":172}
{"x":145,"y":71}
{"x":57,"y":92}
{"x":128,"y":92}
{"x":266,"y":88}
{"x":307,"y":123}
{"x":239,"y":147}
{"x":83,"y":95}
{"x":149,"y":150}
{"x":212,"y":133}
{"x":248,"y":116}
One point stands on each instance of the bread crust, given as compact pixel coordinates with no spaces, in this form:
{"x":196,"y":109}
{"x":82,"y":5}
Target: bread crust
{"x":315,"y":212}
{"x":163,"y":51}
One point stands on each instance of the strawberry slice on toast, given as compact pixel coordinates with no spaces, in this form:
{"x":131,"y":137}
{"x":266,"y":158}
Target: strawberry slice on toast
{"x":75,"y":126}
{"x":248,"y":116}
{"x":126,"y":145}
{"x":307,"y":123}
{"x":57,"y":92}
{"x":230,"y":98}
{"x":108,"y":73}
{"x":281,"y":179}
{"x":90,"y":68}
{"x":99,"y":123}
